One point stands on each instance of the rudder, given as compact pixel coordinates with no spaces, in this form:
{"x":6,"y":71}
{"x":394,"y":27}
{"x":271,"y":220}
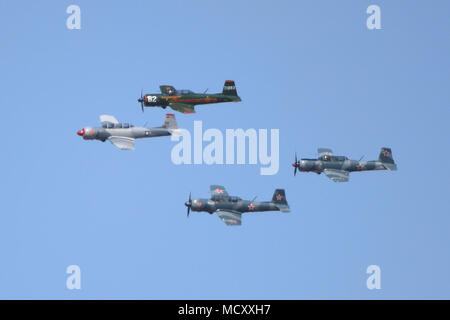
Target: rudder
{"x":170,"y":122}
{"x":229,"y":88}
{"x":386,"y":158}
{"x":279,"y":199}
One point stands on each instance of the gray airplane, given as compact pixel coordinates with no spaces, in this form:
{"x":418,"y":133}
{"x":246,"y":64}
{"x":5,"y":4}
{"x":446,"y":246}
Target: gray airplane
{"x":122,"y":135}
{"x":338,"y":168}
{"x":230,"y":209}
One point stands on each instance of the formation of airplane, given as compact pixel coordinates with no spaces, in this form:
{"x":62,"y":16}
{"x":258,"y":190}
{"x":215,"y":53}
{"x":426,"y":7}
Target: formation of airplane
{"x":123,"y":135}
{"x":230,"y":209}
{"x":185,"y":100}
{"x":338,"y":168}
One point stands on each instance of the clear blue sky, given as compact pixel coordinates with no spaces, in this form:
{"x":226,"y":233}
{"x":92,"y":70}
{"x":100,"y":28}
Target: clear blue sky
{"x":309,"y":68}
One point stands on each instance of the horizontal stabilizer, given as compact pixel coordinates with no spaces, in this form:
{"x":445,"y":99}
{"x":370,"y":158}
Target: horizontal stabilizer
{"x":390,"y":166}
{"x":283,"y":207}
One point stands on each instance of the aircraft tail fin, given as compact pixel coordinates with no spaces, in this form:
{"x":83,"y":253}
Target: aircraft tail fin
{"x":170,"y":122}
{"x":386,"y":158}
{"x":279,"y":199}
{"x":229,"y":88}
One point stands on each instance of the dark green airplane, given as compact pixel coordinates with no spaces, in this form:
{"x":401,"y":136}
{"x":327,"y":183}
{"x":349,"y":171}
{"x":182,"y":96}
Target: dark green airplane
{"x":338,"y":168}
{"x":185,"y":100}
{"x":230,"y":209}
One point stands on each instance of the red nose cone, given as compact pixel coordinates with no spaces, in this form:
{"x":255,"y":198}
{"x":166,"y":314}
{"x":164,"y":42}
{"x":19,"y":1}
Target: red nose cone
{"x":80,"y":132}
{"x":294,"y":164}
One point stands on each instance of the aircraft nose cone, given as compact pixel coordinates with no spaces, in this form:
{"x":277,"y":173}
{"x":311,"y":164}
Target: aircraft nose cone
{"x":80,"y":132}
{"x":294,"y":164}
{"x":187,"y":204}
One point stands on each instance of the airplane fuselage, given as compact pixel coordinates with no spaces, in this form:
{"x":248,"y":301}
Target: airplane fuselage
{"x":317,"y":165}
{"x":102,"y":134}
{"x":163,"y":100}
{"x":241,"y":206}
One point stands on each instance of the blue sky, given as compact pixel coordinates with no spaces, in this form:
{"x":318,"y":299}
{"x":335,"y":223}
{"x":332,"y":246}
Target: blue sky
{"x":310,"y":69}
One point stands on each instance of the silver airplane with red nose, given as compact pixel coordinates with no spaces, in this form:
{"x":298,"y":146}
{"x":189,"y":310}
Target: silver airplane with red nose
{"x":338,"y":168}
{"x":123,"y":135}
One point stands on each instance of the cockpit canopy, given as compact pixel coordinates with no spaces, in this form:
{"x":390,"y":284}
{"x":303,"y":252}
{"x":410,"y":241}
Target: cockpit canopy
{"x":235,"y":199}
{"x":184,"y":91}
{"x":333,"y":158}
{"x":225,"y":198}
{"x":109,"y":125}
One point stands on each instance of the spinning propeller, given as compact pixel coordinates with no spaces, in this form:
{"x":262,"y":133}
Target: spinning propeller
{"x":295,"y":164}
{"x":141,"y":100}
{"x":188,"y":204}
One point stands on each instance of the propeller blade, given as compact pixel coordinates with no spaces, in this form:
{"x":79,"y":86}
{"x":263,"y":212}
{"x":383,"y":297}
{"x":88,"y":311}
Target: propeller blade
{"x":295,"y":164}
{"x":142,"y":102}
{"x":188,"y":205}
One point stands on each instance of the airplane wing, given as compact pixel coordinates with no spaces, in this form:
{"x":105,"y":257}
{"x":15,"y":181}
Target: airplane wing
{"x":337,"y":175}
{"x":231,"y":218}
{"x":106,"y":118}
{"x":217,"y":190}
{"x":123,"y":143}
{"x":324,"y":152}
{"x":182,"y":107}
